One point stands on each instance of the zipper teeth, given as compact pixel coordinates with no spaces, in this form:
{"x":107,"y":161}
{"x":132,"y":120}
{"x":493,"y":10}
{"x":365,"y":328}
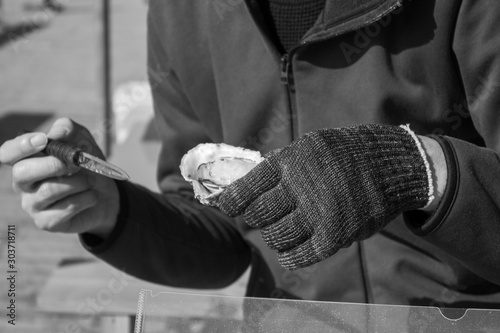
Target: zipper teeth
{"x":285,"y":58}
{"x":285,"y":69}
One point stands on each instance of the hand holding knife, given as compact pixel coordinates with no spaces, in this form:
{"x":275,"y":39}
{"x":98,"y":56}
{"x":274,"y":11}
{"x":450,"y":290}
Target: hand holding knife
{"x":77,"y":157}
{"x":57,"y":198}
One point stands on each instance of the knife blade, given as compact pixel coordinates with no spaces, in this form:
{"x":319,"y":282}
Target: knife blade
{"x":77,"y":157}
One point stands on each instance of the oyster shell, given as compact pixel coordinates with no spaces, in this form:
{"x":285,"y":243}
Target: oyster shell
{"x":211,"y":167}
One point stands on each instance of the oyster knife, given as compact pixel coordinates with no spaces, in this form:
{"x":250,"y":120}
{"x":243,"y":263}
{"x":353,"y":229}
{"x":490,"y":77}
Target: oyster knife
{"x":77,"y":157}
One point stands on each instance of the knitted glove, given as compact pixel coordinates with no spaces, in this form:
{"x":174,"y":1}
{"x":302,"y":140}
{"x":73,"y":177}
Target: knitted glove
{"x":330,"y":188}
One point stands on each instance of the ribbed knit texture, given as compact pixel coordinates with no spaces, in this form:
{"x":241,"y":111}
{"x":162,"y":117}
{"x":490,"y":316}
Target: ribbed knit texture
{"x":330,"y":188}
{"x":291,"y":19}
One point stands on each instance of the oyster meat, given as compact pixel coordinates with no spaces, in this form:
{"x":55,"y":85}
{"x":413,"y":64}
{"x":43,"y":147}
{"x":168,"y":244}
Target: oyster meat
{"x":211,"y":167}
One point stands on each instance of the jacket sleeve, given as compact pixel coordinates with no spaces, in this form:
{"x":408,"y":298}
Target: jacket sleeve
{"x":467,"y":221}
{"x":168,"y":237}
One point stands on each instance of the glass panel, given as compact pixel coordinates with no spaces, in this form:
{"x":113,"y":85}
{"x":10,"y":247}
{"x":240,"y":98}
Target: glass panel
{"x":172,"y":312}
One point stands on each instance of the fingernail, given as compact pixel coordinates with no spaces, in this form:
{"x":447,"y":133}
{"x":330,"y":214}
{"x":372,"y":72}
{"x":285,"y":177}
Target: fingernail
{"x":38,"y":140}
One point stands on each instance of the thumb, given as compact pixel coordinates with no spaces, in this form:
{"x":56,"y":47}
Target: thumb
{"x":21,"y":147}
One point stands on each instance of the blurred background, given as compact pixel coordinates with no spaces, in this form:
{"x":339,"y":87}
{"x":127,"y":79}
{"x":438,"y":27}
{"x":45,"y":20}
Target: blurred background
{"x":83,"y":59}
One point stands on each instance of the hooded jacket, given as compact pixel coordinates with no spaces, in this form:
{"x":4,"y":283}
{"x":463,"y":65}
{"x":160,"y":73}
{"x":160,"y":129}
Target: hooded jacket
{"x":216,"y":76}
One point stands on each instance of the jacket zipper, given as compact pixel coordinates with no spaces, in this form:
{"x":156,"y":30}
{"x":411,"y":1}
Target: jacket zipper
{"x":285,"y":58}
{"x":286,"y":77}
{"x":285,"y":68}
{"x":287,"y":81}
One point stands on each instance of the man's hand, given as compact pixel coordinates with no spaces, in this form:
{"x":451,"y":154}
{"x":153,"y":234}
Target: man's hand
{"x":60,"y":198}
{"x":331,"y":188}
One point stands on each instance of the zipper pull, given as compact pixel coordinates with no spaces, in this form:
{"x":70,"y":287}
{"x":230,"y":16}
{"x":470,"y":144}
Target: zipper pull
{"x":285,"y":67}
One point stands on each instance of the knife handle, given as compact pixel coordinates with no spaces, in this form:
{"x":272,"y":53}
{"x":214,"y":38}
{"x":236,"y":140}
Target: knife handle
{"x":63,"y":151}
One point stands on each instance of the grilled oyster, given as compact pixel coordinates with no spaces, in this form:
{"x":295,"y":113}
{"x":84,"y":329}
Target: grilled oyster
{"x":211,"y":167}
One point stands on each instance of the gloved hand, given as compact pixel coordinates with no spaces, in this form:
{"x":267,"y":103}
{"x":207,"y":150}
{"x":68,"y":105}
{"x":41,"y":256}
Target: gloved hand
{"x":330,"y":188}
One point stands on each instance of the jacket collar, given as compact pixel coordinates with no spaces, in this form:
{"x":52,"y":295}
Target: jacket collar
{"x":341,"y":16}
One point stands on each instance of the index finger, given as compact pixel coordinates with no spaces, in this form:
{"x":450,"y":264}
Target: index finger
{"x":21,"y":147}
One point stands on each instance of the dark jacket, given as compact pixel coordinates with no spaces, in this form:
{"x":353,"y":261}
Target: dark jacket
{"x":216,"y":77}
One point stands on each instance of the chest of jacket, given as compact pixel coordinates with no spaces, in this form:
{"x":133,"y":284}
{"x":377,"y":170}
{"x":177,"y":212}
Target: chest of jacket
{"x":397,"y":67}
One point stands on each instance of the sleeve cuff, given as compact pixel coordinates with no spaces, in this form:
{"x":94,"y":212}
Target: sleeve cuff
{"x":95,"y":244}
{"x":418,"y":221}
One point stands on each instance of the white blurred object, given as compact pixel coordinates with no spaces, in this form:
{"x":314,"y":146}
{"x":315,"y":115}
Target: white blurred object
{"x":132,"y":105}
{"x":136,"y":148}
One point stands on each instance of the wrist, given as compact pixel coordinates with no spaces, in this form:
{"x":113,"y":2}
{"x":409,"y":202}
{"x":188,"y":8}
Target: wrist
{"x":106,"y":225}
{"x":437,"y":163}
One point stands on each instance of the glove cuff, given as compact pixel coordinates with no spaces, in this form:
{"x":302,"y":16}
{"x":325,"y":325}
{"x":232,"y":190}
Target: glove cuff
{"x":421,"y":150}
{"x":398,"y":160}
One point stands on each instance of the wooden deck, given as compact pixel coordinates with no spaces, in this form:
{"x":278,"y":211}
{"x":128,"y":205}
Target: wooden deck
{"x":37,"y":255}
